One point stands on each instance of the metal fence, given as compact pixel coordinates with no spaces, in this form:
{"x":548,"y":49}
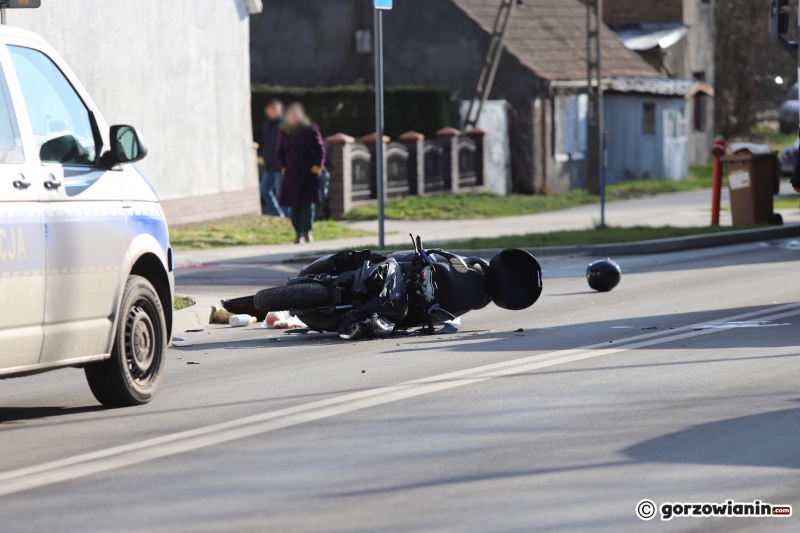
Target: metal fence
{"x":435,"y":181}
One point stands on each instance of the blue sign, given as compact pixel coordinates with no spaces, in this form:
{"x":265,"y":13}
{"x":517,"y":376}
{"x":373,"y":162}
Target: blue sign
{"x":383,"y":4}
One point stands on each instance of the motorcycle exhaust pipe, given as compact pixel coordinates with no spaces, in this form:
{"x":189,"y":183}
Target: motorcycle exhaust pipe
{"x":381,"y":328}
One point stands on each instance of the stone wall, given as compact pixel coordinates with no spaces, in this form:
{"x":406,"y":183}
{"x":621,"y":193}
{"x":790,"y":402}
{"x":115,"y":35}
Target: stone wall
{"x":452,"y":163}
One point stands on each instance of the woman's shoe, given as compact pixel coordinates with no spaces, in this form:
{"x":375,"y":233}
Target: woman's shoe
{"x":297,"y":240}
{"x":308,"y":237}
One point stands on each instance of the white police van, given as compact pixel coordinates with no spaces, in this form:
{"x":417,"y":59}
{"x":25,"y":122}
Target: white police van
{"x":85,"y":264}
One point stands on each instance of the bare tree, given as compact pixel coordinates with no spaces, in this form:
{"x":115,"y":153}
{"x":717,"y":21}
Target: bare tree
{"x":747,"y":64}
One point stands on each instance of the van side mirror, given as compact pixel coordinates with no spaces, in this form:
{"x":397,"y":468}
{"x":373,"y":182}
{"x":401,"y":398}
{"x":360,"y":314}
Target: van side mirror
{"x":126,"y":145}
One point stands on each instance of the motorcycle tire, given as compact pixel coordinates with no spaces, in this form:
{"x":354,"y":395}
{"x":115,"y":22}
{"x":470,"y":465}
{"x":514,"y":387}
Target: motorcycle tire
{"x":297,"y":296}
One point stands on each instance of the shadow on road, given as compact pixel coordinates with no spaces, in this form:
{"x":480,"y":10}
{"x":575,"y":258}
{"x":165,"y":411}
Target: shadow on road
{"x":765,"y":253}
{"x":18,"y":414}
{"x":762,"y":440}
{"x":532,"y":339}
{"x":765,"y":439}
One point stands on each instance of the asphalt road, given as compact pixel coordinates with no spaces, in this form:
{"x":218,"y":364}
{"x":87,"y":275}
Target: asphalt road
{"x":564,"y":426}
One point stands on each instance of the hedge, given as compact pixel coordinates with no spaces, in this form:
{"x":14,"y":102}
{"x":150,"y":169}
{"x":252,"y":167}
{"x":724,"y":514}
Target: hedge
{"x":351,"y":109}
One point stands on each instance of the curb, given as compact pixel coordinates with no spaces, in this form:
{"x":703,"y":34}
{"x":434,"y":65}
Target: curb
{"x":197,"y":316}
{"x":658,"y":246}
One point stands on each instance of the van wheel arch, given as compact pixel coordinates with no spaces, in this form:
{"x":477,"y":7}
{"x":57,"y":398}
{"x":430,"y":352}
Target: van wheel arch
{"x":150,"y":267}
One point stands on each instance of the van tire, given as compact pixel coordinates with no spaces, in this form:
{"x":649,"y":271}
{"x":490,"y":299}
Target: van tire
{"x":295,"y":296}
{"x":133,"y":373}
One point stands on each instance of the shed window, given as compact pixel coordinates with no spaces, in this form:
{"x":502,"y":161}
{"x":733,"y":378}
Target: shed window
{"x":571,"y":126}
{"x":649,"y":119}
{"x":700,"y":112}
{"x":700,"y":105}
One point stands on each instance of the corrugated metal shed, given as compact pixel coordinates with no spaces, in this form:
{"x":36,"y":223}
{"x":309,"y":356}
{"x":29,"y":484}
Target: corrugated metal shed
{"x":658,"y":86}
{"x":648,"y":136}
{"x":643,"y":85}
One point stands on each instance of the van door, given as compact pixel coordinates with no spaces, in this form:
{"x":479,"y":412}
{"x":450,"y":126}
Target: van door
{"x":22,"y":261}
{"x":85,"y":227}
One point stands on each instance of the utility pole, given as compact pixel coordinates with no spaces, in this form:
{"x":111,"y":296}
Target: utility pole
{"x":594,"y":81}
{"x":380,"y":6}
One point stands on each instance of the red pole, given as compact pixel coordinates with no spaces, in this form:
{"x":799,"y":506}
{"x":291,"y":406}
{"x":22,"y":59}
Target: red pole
{"x":716,"y":191}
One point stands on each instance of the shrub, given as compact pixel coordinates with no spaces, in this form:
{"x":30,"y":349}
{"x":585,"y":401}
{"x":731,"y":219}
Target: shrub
{"x":351,"y":109}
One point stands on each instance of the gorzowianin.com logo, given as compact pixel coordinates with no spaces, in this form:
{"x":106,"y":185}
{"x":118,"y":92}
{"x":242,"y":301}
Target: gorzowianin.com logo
{"x":647,"y":510}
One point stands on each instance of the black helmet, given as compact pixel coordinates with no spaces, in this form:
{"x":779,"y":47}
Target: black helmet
{"x":603,"y":275}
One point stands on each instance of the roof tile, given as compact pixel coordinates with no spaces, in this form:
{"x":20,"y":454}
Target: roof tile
{"x":549,"y":37}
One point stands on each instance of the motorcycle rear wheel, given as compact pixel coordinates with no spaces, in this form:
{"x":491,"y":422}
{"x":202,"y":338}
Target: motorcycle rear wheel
{"x":297,"y":296}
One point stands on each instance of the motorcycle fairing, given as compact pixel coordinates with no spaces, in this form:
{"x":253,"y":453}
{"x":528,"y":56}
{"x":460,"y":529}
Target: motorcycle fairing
{"x":459,"y":289}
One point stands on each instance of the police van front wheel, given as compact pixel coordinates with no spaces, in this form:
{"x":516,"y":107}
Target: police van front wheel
{"x":133,"y":373}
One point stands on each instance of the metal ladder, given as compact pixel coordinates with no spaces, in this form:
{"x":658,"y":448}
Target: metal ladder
{"x":486,"y":81}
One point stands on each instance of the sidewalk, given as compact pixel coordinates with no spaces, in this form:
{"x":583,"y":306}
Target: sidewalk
{"x":684,"y":209}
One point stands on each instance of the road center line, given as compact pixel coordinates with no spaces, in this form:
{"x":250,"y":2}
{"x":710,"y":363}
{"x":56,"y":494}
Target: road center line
{"x":120,"y":456}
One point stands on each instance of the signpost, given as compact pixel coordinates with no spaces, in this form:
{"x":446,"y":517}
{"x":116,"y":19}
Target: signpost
{"x":380,"y":6}
{"x":16,"y":4}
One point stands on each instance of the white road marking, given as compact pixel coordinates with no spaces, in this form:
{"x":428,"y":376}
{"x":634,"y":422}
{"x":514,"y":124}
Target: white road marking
{"x":138,"y":452}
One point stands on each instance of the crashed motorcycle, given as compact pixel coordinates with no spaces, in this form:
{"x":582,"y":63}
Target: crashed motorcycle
{"x":368,"y":294}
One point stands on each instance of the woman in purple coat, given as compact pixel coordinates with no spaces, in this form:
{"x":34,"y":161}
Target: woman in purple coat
{"x":301,"y":156}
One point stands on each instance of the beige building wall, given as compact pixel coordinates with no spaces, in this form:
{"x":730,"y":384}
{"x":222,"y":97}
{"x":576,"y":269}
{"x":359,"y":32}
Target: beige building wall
{"x":179,"y":72}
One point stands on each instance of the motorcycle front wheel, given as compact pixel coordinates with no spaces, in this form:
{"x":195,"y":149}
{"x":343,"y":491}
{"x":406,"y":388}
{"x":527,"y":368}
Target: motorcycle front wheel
{"x":297,"y":296}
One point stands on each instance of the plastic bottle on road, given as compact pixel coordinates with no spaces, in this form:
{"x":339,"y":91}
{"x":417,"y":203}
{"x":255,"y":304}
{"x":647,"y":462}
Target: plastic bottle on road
{"x":240,"y":321}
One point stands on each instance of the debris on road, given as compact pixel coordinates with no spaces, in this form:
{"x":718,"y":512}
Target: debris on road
{"x":191,"y":363}
{"x":301,"y":331}
{"x":283,"y":320}
{"x":520,"y":330}
{"x":447,"y":329}
{"x":180,"y":342}
{"x":222,"y":316}
{"x":240,"y":321}
{"x":363,"y":371}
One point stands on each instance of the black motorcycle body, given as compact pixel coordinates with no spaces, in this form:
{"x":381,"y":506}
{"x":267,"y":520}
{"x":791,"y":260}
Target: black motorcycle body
{"x":373,"y":294}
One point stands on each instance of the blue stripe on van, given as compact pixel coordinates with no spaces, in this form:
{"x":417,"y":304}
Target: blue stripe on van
{"x":149,"y":224}
{"x":67,"y":241}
